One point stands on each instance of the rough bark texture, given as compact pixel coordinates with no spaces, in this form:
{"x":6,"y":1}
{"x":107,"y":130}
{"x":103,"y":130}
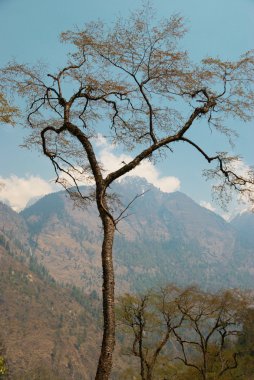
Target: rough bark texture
{"x":108,"y":341}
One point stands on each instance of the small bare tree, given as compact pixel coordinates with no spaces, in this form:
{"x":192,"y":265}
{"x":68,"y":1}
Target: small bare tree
{"x":149,"y":320}
{"x":133,"y":85}
{"x":211,"y":322}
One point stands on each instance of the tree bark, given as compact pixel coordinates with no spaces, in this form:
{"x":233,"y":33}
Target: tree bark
{"x":108,"y":287}
{"x":108,"y":341}
{"x":150,"y":374}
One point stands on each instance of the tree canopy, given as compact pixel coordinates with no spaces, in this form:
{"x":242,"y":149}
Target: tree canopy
{"x":132,"y":84}
{"x":7,"y":112}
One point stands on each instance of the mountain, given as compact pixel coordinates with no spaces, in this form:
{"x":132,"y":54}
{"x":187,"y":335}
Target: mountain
{"x":50,"y":269}
{"x":66,"y":239}
{"x":42,"y":325}
{"x":244,"y":252}
{"x":244,"y":226}
{"x":14,"y":229}
{"x":165,"y":238}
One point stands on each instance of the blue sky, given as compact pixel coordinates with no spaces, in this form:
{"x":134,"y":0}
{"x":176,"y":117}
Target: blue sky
{"x":30,"y":31}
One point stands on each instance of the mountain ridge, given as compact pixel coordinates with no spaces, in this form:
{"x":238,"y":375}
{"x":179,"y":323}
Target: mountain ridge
{"x":42,"y":326}
{"x":166,"y":238}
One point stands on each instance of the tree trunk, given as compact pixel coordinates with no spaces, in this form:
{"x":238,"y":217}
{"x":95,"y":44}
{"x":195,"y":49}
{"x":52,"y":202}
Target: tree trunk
{"x":150,"y":372}
{"x":142,"y":371}
{"x":108,"y":341}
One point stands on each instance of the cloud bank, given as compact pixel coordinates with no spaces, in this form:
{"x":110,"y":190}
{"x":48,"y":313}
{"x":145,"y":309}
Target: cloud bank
{"x":207,"y":205}
{"x":17,"y":191}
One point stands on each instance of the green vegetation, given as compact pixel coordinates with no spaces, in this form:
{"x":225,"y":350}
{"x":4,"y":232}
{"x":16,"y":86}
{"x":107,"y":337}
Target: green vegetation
{"x":40,"y":270}
{"x":4,"y":243}
{"x":3,"y":367}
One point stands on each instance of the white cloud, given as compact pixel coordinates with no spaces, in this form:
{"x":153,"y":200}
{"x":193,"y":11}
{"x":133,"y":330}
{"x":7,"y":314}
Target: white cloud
{"x":225,"y":215}
{"x":207,"y":205}
{"x":112,"y":161}
{"x":243,"y":201}
{"x":240,"y":201}
{"x":17,"y":191}
{"x":240,"y":166}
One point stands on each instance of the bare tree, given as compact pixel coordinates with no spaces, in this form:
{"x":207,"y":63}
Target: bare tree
{"x":211,"y":322}
{"x":149,"y":320}
{"x":133,"y":85}
{"x":203,"y":328}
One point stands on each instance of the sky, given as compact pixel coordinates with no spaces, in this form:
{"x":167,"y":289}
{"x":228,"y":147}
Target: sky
{"x":30,"y":31}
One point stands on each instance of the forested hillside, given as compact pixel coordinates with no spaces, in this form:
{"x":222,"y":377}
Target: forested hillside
{"x":50,"y":273}
{"x":45,"y":329}
{"x":164,"y":235}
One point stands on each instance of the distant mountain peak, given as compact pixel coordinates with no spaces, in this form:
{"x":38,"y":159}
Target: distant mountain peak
{"x":165,"y":237}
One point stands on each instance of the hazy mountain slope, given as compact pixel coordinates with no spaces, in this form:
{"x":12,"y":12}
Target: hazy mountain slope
{"x":42,"y":326}
{"x":176,"y":218}
{"x":179,"y":241}
{"x":166,"y":237}
{"x":244,"y":252}
{"x":66,"y":239}
{"x":244,"y":226}
{"x":14,"y":230}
